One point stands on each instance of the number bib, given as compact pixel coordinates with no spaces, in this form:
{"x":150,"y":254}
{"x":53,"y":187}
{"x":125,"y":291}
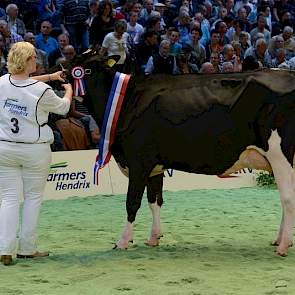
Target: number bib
{"x":18,"y":110}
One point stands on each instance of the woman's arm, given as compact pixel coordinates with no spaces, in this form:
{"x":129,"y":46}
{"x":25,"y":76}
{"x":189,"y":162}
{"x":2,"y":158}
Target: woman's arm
{"x":57,"y":76}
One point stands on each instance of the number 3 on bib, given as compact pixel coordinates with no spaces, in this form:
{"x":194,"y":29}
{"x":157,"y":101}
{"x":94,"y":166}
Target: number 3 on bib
{"x":14,"y":122}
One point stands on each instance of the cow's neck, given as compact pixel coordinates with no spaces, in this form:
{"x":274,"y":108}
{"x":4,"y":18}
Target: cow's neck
{"x":98,"y":90}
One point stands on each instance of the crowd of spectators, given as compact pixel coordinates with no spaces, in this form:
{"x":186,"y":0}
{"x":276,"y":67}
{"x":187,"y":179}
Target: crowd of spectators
{"x":163,"y":36}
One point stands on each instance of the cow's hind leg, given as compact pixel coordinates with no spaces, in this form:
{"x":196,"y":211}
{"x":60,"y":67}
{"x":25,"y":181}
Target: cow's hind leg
{"x":285,"y":179}
{"x":277,"y":241}
{"x":136,"y":186}
{"x":155,"y":199}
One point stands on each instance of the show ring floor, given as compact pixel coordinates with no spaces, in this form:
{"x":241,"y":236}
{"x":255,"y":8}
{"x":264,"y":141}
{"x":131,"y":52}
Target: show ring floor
{"x":216,"y":242}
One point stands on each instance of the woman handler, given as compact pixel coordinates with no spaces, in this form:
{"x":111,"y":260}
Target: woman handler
{"x":25,"y":154}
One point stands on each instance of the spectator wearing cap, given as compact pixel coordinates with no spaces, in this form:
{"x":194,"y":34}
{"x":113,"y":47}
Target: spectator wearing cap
{"x":198,"y":49}
{"x":186,"y":61}
{"x":15,"y":25}
{"x":160,"y":7}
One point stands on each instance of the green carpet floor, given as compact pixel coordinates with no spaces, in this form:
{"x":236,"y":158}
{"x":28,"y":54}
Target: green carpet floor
{"x":216,"y":242}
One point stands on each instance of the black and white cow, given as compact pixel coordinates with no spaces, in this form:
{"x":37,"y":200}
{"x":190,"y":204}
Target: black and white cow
{"x":206,"y":124}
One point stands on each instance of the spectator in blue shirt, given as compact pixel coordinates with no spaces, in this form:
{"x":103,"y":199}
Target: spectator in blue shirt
{"x":44,"y":41}
{"x":46,"y":9}
{"x":175,"y":47}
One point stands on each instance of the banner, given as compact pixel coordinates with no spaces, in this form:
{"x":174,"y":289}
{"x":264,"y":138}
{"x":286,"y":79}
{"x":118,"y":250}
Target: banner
{"x":71,"y":174}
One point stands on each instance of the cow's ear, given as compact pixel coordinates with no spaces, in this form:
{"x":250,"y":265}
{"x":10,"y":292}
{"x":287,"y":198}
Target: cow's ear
{"x":112,"y":60}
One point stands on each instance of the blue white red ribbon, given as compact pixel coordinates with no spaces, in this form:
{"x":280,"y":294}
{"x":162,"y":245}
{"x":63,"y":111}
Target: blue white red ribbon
{"x":79,"y":86}
{"x":110,"y":120}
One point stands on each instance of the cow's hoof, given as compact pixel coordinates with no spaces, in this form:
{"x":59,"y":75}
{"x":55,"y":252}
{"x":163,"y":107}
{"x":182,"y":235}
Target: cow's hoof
{"x":281,"y":253}
{"x":277,"y":243}
{"x":122,"y":245}
{"x":154,"y":242}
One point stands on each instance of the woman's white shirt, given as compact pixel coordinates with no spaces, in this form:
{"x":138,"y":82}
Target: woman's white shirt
{"x":24,"y":109}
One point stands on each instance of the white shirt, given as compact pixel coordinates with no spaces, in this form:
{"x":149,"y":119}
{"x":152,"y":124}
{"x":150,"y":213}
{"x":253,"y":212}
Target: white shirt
{"x":116,"y":46}
{"x":24,"y":110}
{"x":135,"y":32}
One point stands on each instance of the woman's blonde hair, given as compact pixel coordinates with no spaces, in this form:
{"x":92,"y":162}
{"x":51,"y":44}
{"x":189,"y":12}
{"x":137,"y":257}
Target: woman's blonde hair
{"x":18,"y":56}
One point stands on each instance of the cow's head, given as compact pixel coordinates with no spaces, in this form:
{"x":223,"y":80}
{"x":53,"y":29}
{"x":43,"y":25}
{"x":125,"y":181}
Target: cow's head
{"x":98,"y":76}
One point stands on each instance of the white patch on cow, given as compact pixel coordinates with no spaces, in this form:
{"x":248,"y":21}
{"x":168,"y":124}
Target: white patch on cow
{"x":156,"y":226}
{"x":126,"y":237}
{"x":285,"y":179}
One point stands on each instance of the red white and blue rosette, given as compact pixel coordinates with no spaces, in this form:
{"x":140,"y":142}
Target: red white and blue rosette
{"x":110,"y":120}
{"x":78,"y":75}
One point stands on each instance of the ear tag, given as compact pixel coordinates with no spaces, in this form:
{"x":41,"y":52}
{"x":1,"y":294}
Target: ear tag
{"x":111,"y":62}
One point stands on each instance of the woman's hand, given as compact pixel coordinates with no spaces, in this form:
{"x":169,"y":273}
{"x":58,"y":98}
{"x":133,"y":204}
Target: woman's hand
{"x":57,"y":76}
{"x":67,"y":87}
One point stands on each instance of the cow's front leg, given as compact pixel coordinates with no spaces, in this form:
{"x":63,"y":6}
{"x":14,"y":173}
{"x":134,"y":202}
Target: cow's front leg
{"x":285,"y":179}
{"x":155,"y":199}
{"x":136,"y":188}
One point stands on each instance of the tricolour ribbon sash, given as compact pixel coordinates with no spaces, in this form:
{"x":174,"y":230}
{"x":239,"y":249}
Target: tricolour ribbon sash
{"x":110,"y":120}
{"x":78,"y":75}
